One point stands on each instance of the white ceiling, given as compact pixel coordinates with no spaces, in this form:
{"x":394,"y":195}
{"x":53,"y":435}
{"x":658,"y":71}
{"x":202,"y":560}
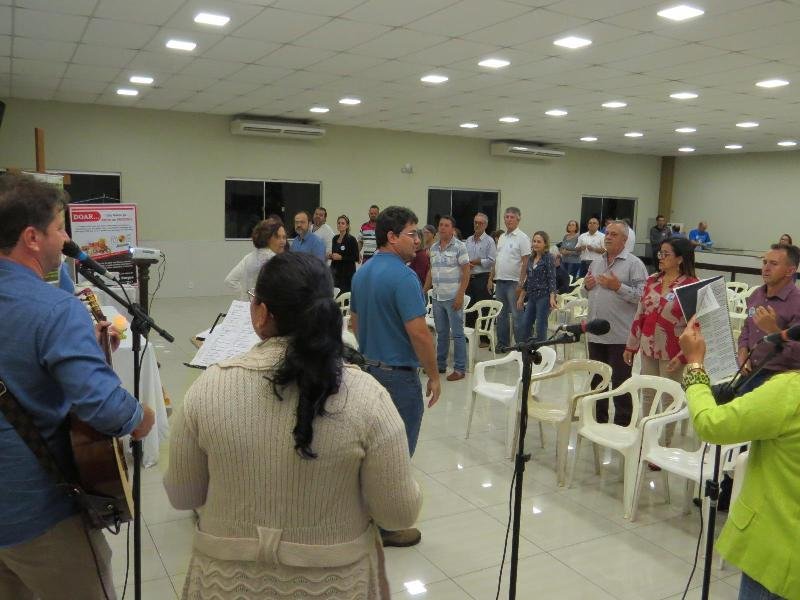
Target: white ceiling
{"x":280,"y":57}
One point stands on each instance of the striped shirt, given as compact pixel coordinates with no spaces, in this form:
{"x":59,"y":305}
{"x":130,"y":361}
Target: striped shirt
{"x":485,"y":249}
{"x":367,"y":238}
{"x":446,"y":266}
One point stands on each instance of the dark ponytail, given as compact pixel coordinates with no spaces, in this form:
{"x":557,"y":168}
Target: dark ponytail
{"x":298,"y":290}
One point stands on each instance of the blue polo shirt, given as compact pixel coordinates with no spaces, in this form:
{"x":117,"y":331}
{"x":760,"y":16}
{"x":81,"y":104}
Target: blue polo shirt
{"x":50,"y":360}
{"x":310,"y":244}
{"x":385,"y":295}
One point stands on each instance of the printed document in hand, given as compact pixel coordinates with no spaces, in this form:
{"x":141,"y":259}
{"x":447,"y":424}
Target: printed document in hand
{"x":708,"y":299}
{"x":232,"y":337}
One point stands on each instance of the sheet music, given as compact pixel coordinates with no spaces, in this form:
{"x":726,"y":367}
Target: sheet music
{"x":708,"y":299}
{"x":232,"y":337}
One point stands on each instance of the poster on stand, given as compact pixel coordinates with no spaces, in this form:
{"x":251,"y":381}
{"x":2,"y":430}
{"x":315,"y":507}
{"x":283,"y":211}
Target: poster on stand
{"x":106,"y":232}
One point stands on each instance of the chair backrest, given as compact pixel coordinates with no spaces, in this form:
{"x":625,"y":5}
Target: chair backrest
{"x":487,"y":311}
{"x":662,"y":387}
{"x":737,"y":286}
{"x":577,"y":375}
{"x":344,"y":303}
{"x":578,"y":309}
{"x":336,"y":292}
{"x":429,"y":305}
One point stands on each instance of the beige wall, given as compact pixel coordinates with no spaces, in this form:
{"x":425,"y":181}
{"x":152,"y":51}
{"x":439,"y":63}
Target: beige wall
{"x":749,"y":200}
{"x":174,"y":166}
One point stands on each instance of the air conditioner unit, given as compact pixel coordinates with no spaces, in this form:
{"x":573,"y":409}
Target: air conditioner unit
{"x":523,"y":150}
{"x":275,"y":129}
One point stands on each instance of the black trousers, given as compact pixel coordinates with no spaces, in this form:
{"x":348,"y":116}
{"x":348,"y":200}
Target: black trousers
{"x":611,"y":354}
{"x":476,"y":290}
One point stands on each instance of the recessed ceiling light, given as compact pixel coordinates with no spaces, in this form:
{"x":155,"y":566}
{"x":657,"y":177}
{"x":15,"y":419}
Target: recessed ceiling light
{"x":634,"y":134}
{"x":469,"y":125}
{"x":211,"y":19}
{"x":572,"y":42}
{"x":141,"y":79}
{"x":615,"y":104}
{"x":434,"y":79}
{"x":685,"y":149}
{"x":520,"y":148}
{"x":127,"y":92}
{"x":772,"y":83}
{"x":747,"y":124}
{"x":683,"y":96}
{"x":787,"y":143}
{"x":349,"y":101}
{"x":319,"y":109}
{"x":181,"y":45}
{"x":685,"y":130}
{"x":588,"y":138}
{"x":681,"y":12}
{"x":494,"y":63}
{"x":557,"y":112}
{"x":509,"y":119}
{"x":733,"y":147}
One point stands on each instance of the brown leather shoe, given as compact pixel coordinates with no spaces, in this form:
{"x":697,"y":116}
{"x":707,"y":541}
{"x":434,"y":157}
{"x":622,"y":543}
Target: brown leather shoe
{"x":401,"y":538}
{"x":455,"y":376}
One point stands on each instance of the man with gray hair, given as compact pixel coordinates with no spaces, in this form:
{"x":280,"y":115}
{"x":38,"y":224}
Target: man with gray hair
{"x":482,"y":253}
{"x":508,"y":275}
{"x":615,"y":282}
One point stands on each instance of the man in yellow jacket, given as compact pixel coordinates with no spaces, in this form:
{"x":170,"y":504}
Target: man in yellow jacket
{"x":762,"y":535}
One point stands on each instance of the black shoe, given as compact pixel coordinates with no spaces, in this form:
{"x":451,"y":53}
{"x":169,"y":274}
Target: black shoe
{"x":442,"y":370}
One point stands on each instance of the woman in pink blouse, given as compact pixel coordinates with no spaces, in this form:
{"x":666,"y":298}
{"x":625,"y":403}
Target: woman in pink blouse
{"x":659,"y":321}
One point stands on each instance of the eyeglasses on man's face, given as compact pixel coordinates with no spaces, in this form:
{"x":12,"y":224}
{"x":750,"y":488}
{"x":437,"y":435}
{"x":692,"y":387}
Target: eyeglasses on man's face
{"x":252,"y":293}
{"x":411,"y":234}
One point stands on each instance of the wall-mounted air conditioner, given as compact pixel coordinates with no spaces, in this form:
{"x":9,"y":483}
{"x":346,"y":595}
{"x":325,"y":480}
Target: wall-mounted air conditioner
{"x":523,"y":150}
{"x":275,"y":129}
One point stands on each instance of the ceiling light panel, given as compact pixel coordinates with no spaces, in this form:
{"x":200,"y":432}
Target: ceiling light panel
{"x":615,"y":104}
{"x":141,"y":79}
{"x":747,"y":124}
{"x":572,"y":42}
{"x":434,"y":79}
{"x":350,"y":101}
{"x":683,"y":95}
{"x":509,"y":119}
{"x":685,"y":130}
{"x":469,"y":125}
{"x":557,"y":112}
{"x":681,"y":12}
{"x":216,"y":20}
{"x":183,"y":45}
{"x":494,"y":63}
{"x":772,"y":83}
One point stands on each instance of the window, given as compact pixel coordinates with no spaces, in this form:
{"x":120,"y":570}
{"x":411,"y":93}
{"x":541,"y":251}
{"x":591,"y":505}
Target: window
{"x":602,"y":207}
{"x":248,"y":201}
{"x":462,"y":206}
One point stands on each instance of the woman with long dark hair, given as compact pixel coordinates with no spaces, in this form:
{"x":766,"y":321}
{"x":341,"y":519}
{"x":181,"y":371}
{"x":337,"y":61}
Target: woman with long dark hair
{"x":659,"y":320}
{"x":293,"y":455}
{"x":343,"y":255}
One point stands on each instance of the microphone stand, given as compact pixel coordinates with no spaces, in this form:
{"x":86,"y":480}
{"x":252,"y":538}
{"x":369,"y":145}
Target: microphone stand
{"x":529,"y":350}
{"x":711,"y":490}
{"x":141,"y":324}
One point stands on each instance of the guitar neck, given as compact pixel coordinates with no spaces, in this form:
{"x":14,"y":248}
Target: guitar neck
{"x":97,"y":312}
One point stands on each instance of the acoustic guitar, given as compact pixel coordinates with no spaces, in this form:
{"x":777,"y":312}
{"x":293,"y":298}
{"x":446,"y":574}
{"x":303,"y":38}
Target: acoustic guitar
{"x":99,"y":458}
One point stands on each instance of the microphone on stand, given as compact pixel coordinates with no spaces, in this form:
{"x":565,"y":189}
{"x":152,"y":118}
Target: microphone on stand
{"x":72,"y":250}
{"x":595,"y":327}
{"x":791,"y":334}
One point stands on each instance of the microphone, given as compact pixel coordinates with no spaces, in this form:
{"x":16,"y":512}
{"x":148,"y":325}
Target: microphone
{"x":72,"y":250}
{"x":792,"y":334}
{"x":595,"y":326}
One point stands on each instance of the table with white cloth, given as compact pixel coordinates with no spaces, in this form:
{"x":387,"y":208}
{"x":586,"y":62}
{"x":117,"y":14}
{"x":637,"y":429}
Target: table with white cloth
{"x":150,"y":391}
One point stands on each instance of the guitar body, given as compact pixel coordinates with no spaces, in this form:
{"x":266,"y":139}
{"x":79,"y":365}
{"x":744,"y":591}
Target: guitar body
{"x":99,"y":458}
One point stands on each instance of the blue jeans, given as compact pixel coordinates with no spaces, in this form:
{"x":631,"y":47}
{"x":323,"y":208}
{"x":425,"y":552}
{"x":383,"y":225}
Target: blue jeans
{"x":406,"y":391}
{"x":750,"y":589}
{"x":506,"y":292}
{"x":573,"y":268}
{"x":536,"y":311}
{"x":447,"y":321}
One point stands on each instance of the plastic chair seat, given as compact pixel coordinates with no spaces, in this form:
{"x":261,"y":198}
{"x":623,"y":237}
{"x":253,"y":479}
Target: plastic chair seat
{"x":610,"y":435}
{"x":497,"y":391}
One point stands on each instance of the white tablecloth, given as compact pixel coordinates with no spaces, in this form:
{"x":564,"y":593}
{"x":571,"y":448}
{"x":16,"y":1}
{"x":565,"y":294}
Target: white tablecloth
{"x":150,"y":393}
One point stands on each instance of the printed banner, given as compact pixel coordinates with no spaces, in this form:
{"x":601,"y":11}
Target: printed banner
{"x":106,"y":232}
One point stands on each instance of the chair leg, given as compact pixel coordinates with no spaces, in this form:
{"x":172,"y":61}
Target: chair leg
{"x":688,"y":497}
{"x":574,"y":464}
{"x":563,"y":431}
{"x":631,"y":466}
{"x":470,"y":411}
{"x":512,"y":429}
{"x":597,"y":461}
{"x":637,"y":490}
{"x":541,"y":434}
{"x":470,"y":351}
{"x":665,"y":473}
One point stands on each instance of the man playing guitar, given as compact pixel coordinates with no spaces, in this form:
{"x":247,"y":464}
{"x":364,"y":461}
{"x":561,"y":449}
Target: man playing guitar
{"x":51,"y":363}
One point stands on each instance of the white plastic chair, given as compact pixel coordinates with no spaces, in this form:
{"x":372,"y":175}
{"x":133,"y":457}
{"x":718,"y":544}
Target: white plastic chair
{"x":559,"y":408}
{"x":336,"y":292}
{"x":506,"y":394}
{"x":486,"y":315}
{"x":343,"y":300}
{"x":737,"y":287}
{"x":626,"y":440}
{"x":684,"y":463}
{"x":739,"y":472}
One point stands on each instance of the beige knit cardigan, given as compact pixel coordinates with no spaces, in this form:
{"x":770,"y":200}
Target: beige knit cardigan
{"x":275,"y":525}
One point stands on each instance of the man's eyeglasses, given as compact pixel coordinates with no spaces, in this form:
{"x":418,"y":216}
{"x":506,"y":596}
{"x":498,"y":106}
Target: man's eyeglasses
{"x":411,"y":234}
{"x":664,"y":254}
{"x":252,"y":293}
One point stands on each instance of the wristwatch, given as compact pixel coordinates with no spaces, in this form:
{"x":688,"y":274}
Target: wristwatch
{"x":695,"y":366}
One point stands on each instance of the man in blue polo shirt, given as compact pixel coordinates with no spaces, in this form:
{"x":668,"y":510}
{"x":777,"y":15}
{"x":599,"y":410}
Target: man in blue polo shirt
{"x":700,"y":238}
{"x":51,"y":363}
{"x":305,"y":240}
{"x":387,"y":314}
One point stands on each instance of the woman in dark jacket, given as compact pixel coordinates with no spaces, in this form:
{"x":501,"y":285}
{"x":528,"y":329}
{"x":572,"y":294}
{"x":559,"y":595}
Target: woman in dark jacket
{"x":343,"y":255}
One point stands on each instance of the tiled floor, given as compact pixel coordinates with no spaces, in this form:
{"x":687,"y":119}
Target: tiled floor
{"x":575,"y":542}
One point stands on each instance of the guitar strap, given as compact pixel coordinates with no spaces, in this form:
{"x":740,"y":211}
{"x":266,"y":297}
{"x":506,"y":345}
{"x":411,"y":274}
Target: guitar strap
{"x":95,"y":509}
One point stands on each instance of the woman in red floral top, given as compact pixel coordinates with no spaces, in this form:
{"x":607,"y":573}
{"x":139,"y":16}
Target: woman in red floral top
{"x":659,"y":321}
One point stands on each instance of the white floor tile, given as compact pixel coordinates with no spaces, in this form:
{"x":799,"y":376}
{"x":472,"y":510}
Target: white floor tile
{"x":157,"y":589}
{"x":174,"y":542}
{"x":438,"y":500}
{"x":442,"y":590}
{"x":405,"y":565}
{"x":486,"y":485}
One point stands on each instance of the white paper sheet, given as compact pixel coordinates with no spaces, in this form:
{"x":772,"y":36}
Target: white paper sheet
{"x":232,"y":337}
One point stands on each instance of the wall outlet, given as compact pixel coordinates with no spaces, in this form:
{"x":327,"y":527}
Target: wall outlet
{"x":191,"y":285}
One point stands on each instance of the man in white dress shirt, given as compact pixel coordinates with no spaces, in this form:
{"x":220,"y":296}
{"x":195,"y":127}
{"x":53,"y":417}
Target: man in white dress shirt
{"x":590,"y":244}
{"x":508,"y":275}
{"x":322,"y":230}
